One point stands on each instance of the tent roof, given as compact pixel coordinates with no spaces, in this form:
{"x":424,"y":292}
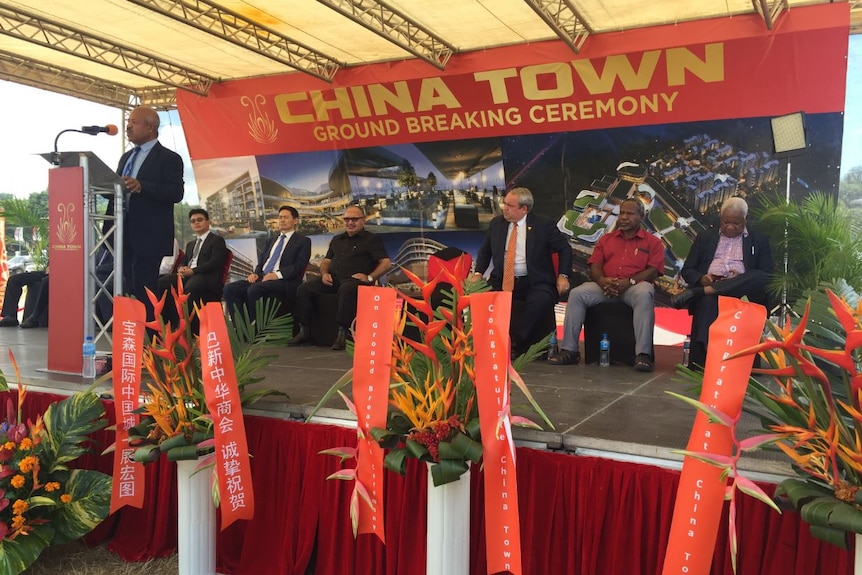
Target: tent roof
{"x":129,"y":52}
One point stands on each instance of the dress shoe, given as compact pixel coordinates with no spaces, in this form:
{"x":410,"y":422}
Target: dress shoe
{"x":340,"y":340}
{"x":28,"y":324}
{"x":682,"y":299}
{"x":301,"y":338}
{"x":566,"y":357}
{"x":8,"y":322}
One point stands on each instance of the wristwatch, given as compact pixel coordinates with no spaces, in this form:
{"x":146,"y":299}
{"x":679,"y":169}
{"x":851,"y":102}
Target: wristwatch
{"x":371,"y":279}
{"x":632,"y":281}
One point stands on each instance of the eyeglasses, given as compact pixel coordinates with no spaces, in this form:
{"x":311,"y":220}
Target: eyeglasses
{"x":197,"y":220}
{"x":349,"y":220}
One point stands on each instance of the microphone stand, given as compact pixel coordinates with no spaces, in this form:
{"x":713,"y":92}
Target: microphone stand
{"x":55,"y":156}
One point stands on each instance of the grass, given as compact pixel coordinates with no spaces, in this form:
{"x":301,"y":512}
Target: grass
{"x":78,"y":559}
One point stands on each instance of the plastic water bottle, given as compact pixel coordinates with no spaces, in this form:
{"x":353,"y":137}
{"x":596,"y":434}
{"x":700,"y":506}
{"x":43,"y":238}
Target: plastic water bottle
{"x":605,"y":351}
{"x":88,"y":371}
{"x":686,"y":350}
{"x":553,"y":345}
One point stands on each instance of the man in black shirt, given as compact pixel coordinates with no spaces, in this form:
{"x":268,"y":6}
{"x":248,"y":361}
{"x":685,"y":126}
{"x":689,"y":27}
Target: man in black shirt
{"x":356,"y":257}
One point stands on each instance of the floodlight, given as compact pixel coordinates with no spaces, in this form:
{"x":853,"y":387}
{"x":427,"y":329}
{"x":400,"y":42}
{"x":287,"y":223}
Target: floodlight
{"x":788,"y":134}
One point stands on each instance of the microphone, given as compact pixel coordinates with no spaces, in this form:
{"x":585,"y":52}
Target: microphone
{"x":110,"y":129}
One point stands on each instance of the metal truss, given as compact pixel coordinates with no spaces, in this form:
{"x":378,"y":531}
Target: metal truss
{"x":232,"y":27}
{"x":56,"y":79}
{"x":40,"y":31}
{"x":397,"y":27}
{"x":158,"y":97}
{"x":563,"y":18}
{"x":855,"y":16}
{"x":769,"y":10}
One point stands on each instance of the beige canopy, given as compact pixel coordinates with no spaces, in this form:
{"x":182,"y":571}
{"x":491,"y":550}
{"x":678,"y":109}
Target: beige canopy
{"x":129,"y":52}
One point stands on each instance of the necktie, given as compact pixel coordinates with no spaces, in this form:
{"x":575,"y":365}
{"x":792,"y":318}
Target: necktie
{"x":273,"y":259}
{"x":130,"y":163}
{"x":509,"y":261}
{"x":196,"y":251}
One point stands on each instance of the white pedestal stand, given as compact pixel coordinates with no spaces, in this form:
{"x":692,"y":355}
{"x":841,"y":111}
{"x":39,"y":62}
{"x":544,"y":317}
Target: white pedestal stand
{"x":448,"y":535}
{"x":196,"y":521}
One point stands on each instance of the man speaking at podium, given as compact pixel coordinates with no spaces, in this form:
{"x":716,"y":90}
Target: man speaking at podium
{"x":153,"y":176}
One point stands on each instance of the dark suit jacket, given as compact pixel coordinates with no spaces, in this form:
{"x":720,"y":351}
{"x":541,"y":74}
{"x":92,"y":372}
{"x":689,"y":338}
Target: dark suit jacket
{"x":756,"y":255}
{"x":294,"y":257}
{"x":543,"y":239}
{"x":211,"y":260}
{"x":149,"y":223}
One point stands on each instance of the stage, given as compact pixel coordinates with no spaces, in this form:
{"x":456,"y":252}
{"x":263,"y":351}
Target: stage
{"x":596,"y":493}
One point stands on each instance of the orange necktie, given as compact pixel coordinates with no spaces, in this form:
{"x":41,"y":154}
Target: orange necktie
{"x":509,"y":261}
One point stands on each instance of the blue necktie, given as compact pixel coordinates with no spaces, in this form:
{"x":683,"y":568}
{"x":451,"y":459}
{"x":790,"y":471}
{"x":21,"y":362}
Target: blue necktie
{"x":273,"y":259}
{"x":130,"y":163}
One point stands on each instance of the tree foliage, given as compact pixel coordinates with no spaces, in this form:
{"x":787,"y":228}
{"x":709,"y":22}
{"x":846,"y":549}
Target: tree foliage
{"x":407,"y":175}
{"x":823,"y":243}
{"x":33,"y":217}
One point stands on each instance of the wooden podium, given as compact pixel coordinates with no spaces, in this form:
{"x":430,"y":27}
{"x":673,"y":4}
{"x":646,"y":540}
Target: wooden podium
{"x":77,"y":233}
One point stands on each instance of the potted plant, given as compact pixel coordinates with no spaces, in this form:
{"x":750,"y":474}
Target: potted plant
{"x":175,"y":417}
{"x":42,"y":501}
{"x":810,"y":409}
{"x":434,"y":406}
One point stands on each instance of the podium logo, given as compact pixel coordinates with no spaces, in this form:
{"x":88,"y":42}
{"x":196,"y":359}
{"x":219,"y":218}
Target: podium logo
{"x":66,"y":230}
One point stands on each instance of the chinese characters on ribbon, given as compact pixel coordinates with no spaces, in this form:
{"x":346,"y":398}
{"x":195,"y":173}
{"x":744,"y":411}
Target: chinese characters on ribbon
{"x":128,"y":484}
{"x":223,"y":400}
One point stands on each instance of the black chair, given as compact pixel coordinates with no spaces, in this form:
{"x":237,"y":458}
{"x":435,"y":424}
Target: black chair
{"x":616,"y":320}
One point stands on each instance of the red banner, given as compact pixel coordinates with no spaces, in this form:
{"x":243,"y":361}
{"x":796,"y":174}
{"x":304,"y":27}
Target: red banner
{"x":129,"y":317}
{"x":66,"y":251}
{"x":700,"y":495}
{"x":692,"y":71}
{"x":372,"y":360}
{"x":491,"y":313}
{"x":222,"y":394}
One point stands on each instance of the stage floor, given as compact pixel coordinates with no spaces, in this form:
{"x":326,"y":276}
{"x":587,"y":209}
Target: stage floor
{"x":614,"y":411}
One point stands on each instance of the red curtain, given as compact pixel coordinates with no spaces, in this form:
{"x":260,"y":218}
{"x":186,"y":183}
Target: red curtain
{"x":579,"y":515}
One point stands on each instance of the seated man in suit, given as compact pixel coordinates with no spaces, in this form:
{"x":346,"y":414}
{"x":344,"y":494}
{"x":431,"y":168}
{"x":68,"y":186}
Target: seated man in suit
{"x":731,"y":261}
{"x":623,"y":266}
{"x":520,"y":244}
{"x":280,"y":268}
{"x":202,"y":267}
{"x":354,"y":258}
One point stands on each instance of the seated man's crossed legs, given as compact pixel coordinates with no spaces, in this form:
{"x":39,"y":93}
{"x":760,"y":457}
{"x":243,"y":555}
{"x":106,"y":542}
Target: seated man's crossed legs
{"x":640,"y":297}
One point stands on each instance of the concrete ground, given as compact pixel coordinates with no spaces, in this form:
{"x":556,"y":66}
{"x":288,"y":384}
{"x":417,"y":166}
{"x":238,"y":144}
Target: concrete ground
{"x":612,"y":411}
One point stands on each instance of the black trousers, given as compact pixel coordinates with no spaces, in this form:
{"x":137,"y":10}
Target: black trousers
{"x":309,"y":292}
{"x":539,"y":300}
{"x":14,"y":289}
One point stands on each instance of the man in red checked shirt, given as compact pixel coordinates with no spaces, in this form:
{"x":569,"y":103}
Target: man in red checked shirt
{"x":623,"y":266}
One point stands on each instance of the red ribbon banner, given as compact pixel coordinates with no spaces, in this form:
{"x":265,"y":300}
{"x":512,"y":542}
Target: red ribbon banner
{"x":129,"y":316}
{"x":223,"y":401}
{"x":491,"y":313}
{"x":372,"y":361}
{"x":700,"y":495}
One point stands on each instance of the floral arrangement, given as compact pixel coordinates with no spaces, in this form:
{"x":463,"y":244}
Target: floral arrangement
{"x":42,"y":501}
{"x":175,"y":418}
{"x":433,"y":413}
{"x":811,"y":411}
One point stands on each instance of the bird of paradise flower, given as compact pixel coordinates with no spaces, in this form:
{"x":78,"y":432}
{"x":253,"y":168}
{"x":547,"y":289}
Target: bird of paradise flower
{"x":434,"y":415}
